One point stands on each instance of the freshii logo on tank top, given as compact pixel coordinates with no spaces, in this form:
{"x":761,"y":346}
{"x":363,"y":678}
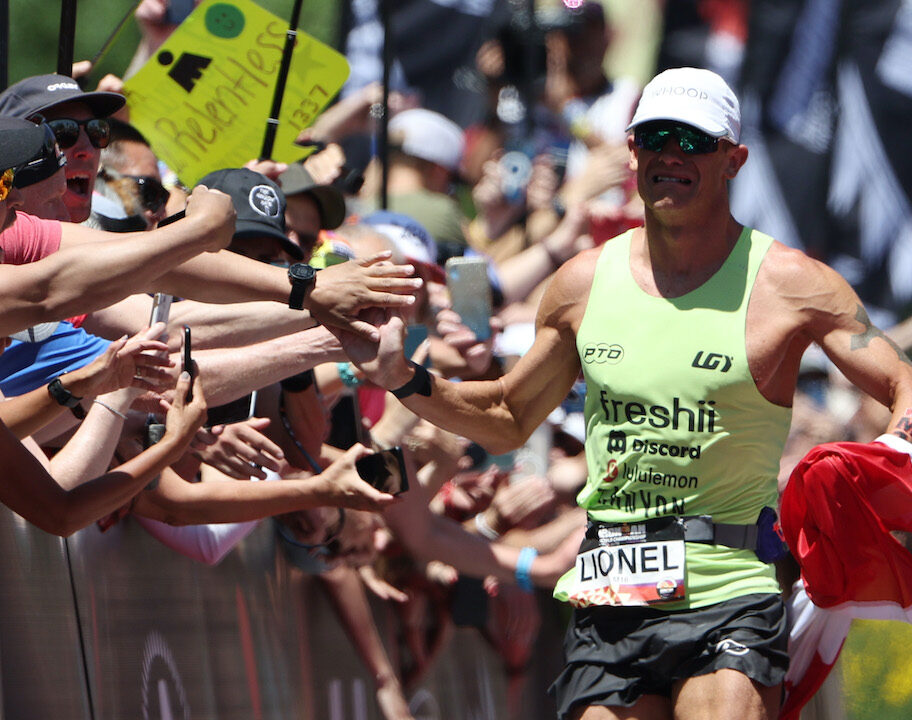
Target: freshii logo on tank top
{"x":699,"y":418}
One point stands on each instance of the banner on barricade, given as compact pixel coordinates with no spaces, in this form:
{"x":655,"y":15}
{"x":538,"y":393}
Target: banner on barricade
{"x":203,"y":99}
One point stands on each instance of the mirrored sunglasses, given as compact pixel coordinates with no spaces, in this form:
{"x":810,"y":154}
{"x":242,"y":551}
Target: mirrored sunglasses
{"x":152,"y":194}
{"x":653,"y":136}
{"x":66,"y":131}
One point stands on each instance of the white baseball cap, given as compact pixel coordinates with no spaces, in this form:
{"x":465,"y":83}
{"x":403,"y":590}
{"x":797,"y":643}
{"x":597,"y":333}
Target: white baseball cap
{"x":428,"y":135}
{"x":692,"y":96}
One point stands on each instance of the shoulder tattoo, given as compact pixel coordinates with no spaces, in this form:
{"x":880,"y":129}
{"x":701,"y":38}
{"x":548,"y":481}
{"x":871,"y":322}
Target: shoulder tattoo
{"x":863,"y":339}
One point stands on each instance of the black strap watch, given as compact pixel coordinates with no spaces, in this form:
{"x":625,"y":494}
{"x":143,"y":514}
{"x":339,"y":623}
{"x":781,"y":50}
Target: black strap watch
{"x":303,"y":277}
{"x":64,"y":397}
{"x":420,"y":383}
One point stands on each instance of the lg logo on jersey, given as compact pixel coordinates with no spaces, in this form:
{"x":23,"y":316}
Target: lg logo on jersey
{"x":712,"y":361}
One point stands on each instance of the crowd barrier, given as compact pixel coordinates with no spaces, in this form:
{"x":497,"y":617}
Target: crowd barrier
{"x":115,"y":625}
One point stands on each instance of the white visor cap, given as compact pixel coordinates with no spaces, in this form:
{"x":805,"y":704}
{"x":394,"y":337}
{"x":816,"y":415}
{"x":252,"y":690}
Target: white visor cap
{"x":694,"y":97}
{"x":428,"y":135}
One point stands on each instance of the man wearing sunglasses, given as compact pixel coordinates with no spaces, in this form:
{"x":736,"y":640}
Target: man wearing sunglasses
{"x":689,"y":332}
{"x":79,"y":121}
{"x":130,"y":168}
{"x":52,"y":285}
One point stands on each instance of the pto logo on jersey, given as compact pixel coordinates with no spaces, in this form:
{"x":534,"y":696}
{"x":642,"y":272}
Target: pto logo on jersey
{"x":602,"y":354}
{"x":712,"y":361}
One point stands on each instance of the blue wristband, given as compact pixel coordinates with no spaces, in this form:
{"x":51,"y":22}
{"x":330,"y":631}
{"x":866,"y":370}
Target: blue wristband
{"x":523,"y":565}
{"x":347,"y":376}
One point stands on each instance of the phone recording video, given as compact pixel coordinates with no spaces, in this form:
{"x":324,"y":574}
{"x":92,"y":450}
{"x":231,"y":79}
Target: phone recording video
{"x":233,"y":412}
{"x":470,"y":293}
{"x":187,"y":365}
{"x":384,"y":470}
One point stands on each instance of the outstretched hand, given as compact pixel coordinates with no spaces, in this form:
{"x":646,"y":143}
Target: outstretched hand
{"x":475,"y":353}
{"x":185,"y":417}
{"x":140,"y":362}
{"x":343,"y":487}
{"x":343,"y":291}
{"x":382,"y":359}
{"x":240,"y":450}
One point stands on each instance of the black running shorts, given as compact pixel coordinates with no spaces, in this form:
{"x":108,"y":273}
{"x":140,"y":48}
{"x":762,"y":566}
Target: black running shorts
{"x":615,"y":655}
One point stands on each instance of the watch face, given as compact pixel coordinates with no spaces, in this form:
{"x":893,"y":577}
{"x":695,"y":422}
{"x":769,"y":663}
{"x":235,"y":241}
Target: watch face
{"x":300,"y":271}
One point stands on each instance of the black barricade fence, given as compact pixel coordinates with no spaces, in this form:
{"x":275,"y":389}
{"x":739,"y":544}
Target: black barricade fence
{"x":115,"y":625}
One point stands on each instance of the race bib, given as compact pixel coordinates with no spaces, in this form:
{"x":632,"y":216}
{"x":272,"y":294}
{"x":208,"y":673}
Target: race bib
{"x":627,"y":565}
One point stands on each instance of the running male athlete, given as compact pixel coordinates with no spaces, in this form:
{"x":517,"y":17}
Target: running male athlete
{"x":689,"y":333}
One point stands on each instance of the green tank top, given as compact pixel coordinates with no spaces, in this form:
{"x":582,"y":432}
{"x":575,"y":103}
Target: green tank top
{"x":675,"y":424}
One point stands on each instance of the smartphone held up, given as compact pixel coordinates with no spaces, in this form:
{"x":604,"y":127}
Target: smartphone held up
{"x":384,"y":470}
{"x":470,"y":293}
{"x":187,"y":363}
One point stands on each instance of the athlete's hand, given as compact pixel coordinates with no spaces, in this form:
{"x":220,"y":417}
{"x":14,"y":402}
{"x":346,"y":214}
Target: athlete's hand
{"x":383,"y":360}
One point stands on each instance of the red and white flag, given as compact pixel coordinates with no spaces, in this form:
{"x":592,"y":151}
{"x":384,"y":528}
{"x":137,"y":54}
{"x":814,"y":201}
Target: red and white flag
{"x":837,"y":512}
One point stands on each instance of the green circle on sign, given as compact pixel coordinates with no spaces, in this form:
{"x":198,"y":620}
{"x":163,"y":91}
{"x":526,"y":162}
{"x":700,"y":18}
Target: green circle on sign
{"x":224,"y":20}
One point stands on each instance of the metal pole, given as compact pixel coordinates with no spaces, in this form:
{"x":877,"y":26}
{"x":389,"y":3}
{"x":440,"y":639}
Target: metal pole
{"x":383,"y":145}
{"x":272,"y":124}
{"x":67,"y":37}
{"x":4,"y":44}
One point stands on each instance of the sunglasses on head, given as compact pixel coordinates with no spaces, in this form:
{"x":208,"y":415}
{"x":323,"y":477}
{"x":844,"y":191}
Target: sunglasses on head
{"x":653,"y":136}
{"x":6,"y":183}
{"x":66,"y":130}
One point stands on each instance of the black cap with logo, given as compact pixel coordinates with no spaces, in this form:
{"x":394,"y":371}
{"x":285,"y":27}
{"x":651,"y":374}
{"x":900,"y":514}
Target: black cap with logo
{"x":259,"y":203}
{"x":38,"y":93}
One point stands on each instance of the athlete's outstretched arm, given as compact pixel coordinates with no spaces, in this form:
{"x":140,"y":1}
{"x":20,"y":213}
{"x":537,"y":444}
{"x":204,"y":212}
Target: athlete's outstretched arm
{"x":497,"y":414}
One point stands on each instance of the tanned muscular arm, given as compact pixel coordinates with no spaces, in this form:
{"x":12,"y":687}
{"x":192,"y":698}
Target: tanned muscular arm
{"x":821,"y":307}
{"x":498,"y":414}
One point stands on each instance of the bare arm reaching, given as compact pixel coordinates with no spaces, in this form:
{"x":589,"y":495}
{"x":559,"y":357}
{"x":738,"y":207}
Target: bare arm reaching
{"x":498,"y":414}
{"x":74,"y":281}
{"x":32,"y":493}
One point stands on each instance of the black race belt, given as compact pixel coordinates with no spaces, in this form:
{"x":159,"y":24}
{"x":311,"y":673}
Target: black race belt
{"x":697,"y":528}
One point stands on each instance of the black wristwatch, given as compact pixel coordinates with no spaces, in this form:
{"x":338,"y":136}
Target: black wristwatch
{"x":420,"y":383}
{"x":303,"y":278}
{"x":64,"y":397}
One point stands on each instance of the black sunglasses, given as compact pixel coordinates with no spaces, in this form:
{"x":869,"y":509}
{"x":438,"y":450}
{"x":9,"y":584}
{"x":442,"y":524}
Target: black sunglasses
{"x":653,"y":136}
{"x":152,"y":194}
{"x":46,"y":162}
{"x":66,"y":131}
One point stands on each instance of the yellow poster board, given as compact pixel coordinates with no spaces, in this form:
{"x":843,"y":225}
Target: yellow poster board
{"x":203,"y":99}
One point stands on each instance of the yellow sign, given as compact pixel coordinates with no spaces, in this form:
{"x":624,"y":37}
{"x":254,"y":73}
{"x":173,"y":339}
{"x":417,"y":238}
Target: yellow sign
{"x":204,"y":98}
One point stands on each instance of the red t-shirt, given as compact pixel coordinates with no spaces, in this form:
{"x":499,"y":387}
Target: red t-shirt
{"x":29,"y":239}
